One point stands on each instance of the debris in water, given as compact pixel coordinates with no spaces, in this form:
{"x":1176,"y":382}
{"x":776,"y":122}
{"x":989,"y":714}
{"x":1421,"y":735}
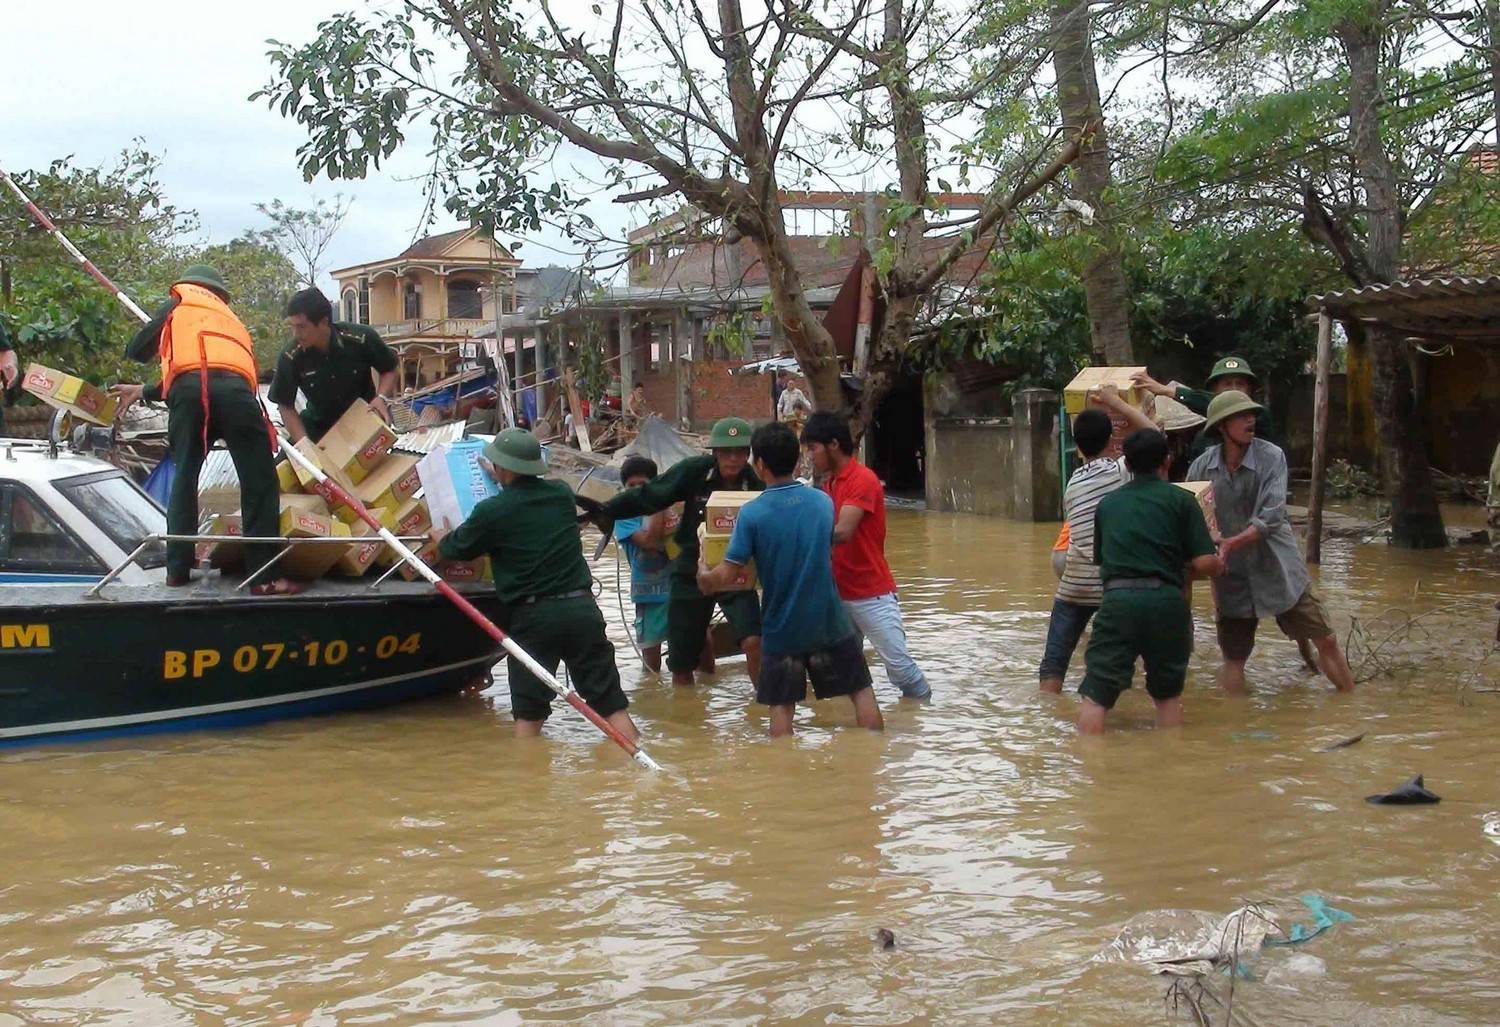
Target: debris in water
{"x":1324,"y":917}
{"x":886,"y":938}
{"x":1413,"y":793}
{"x":1186,"y":943}
{"x":1342,"y":743}
{"x":1492,"y":827}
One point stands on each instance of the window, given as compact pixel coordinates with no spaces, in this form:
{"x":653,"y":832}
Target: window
{"x":351,"y":306}
{"x":120,"y":510}
{"x":411,"y":302}
{"x":464,"y":299}
{"x":31,"y":540}
{"x":364,"y":301}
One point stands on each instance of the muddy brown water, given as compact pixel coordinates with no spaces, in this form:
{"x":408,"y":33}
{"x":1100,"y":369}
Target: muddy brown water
{"x":419,"y":865}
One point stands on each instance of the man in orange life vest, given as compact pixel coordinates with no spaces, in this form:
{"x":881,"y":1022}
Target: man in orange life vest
{"x":208,"y":379}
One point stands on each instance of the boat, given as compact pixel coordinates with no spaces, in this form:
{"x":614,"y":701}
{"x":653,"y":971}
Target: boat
{"x":93,"y":643}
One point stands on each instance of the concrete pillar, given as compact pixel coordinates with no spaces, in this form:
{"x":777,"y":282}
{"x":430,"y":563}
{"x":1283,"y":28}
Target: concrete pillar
{"x":627,"y":356}
{"x":539,"y":358}
{"x":1037,"y":477}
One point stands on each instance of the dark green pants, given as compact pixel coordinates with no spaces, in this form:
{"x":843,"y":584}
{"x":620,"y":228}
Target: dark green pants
{"x":1154,"y":624}
{"x":235,"y":416}
{"x":688,"y":617}
{"x":567,"y":631}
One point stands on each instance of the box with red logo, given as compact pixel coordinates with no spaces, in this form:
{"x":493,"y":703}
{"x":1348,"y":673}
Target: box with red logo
{"x":1203,"y":492}
{"x":69,"y":392}
{"x":713,"y":547}
{"x":358,"y":442}
{"x":454,"y":571}
{"x":367,"y":547}
{"x":723,"y":509}
{"x":387,"y":486}
{"x":409,"y":520}
{"x":305,"y":563}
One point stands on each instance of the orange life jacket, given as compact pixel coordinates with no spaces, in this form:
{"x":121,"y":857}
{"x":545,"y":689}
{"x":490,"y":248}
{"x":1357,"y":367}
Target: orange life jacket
{"x":202,"y":334}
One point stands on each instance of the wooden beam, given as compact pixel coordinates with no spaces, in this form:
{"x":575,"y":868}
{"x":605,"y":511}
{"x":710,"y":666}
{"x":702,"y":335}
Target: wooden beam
{"x":580,"y":423}
{"x":1320,"y":440}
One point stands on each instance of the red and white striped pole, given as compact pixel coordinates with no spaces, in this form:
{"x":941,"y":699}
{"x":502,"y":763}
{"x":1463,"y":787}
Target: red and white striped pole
{"x":41,"y":218}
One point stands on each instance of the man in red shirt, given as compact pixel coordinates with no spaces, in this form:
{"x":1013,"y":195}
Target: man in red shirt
{"x":859,"y":569}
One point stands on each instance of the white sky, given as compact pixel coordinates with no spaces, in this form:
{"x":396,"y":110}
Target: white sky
{"x":86,"y":78}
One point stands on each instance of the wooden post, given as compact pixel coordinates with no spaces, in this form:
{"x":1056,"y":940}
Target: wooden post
{"x":1320,"y":439}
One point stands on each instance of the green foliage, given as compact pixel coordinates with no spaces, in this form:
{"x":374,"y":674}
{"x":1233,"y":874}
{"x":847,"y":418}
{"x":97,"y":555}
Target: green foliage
{"x":118,"y":216}
{"x":260,"y":279}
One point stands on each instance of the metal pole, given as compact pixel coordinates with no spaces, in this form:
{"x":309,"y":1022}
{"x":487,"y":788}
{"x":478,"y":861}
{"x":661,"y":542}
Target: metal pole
{"x":1320,"y":439}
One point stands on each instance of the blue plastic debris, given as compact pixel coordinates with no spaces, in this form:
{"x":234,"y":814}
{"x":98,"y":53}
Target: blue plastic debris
{"x":1324,"y":916}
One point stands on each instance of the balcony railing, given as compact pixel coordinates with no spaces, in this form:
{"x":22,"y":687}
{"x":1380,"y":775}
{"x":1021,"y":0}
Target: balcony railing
{"x":434,"y":327}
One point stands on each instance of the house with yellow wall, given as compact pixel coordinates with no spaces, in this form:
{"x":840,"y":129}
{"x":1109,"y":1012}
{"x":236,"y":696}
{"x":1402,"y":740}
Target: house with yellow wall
{"x":430,"y":301}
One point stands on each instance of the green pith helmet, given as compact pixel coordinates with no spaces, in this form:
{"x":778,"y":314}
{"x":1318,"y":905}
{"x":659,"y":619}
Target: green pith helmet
{"x":1227,"y":404}
{"x":207,"y":276}
{"x":730,"y":433}
{"x":1230,"y":366}
{"x":516,"y":449}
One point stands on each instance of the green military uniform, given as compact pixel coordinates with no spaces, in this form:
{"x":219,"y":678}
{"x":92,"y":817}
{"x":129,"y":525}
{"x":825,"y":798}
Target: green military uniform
{"x":1197,"y":400}
{"x":1145,"y":534}
{"x":235,"y":415}
{"x":689,"y":611}
{"x":333,"y":380}
{"x":531,"y":536}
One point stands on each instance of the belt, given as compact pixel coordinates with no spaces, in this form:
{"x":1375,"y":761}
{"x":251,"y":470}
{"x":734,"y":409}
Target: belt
{"x":555,"y":595}
{"x":1117,"y":583}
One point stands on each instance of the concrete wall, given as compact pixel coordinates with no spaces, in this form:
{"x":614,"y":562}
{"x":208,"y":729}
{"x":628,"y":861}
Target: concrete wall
{"x":999,"y":466}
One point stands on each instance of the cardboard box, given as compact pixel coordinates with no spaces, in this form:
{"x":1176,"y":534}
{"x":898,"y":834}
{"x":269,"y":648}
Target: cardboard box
{"x":362,"y":554}
{"x":673,"y":517}
{"x":307,"y":563}
{"x":1075,"y":393}
{"x":1203,"y":491}
{"x":358,"y":442}
{"x":455,"y":571}
{"x":411,"y":519}
{"x":714,"y":545}
{"x":387,"y":486}
{"x":286,"y":477}
{"x":723,"y":509}
{"x":304,"y":502}
{"x":69,"y":392}
{"x":453,"y":483}
{"x":226,"y":555}
{"x":310,"y":484}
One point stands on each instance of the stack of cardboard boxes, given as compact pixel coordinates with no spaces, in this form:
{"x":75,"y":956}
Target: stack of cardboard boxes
{"x":719,"y":516}
{"x":356,"y":453}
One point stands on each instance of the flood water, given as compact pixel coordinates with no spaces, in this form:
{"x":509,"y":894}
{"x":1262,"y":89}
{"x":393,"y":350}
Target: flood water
{"x":420,"y":865}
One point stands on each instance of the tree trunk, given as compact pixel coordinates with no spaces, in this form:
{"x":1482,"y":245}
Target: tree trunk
{"x":1105,"y":289}
{"x":810,"y":341}
{"x":1416,"y":521}
{"x":1492,"y":24}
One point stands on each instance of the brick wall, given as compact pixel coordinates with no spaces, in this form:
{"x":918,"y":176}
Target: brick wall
{"x":715,"y":393}
{"x":661,"y":393}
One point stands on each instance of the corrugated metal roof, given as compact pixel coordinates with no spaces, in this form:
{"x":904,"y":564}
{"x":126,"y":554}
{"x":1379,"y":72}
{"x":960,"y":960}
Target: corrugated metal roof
{"x":1436,"y":308}
{"x":425,"y":440}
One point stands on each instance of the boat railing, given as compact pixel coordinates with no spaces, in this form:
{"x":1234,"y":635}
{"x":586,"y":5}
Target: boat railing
{"x":287,"y":544}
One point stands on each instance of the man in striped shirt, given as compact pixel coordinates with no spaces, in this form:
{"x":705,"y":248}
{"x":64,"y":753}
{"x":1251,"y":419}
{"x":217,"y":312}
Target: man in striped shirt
{"x":1080,"y":591}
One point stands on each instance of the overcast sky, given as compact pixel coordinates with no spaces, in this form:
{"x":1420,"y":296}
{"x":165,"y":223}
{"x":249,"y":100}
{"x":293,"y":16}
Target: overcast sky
{"x":88,"y":77}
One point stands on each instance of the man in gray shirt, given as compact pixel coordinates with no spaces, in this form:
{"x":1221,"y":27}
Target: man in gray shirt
{"x":1266,"y":575}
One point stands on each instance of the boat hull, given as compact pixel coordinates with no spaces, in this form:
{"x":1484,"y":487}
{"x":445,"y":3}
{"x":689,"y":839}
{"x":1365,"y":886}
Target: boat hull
{"x":146,"y":659}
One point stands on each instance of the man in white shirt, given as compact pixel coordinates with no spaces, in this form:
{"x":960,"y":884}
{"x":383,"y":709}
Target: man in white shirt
{"x":1080,"y":591}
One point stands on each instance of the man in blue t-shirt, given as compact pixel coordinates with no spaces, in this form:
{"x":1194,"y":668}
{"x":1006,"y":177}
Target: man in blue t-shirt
{"x":788,"y":532}
{"x":644,"y":540}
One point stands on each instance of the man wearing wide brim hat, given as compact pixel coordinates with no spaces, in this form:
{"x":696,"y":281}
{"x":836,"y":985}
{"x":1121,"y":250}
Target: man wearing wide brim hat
{"x":1266,"y":575}
{"x":209,"y":381}
{"x":1229,"y":373}
{"x":530,"y":534}
{"x":690,"y":482}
